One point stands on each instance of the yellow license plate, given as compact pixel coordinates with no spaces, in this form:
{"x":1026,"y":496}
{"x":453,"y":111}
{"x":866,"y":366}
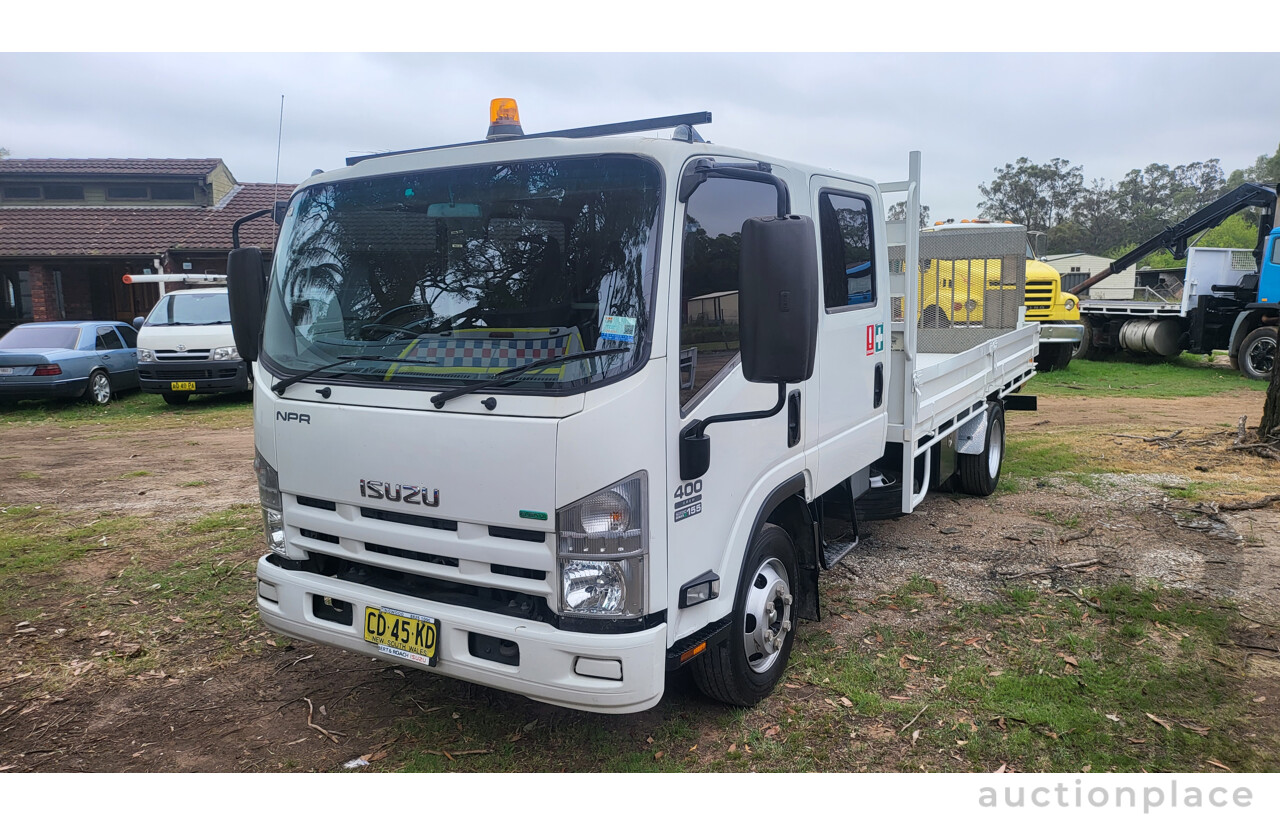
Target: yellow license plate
{"x":182,"y":385}
{"x":406,"y":635}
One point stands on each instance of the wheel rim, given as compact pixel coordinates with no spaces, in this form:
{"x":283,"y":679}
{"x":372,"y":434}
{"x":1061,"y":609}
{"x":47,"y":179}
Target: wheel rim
{"x":1262,"y":355}
{"x":768,"y":615}
{"x":101,"y":388}
{"x":995,"y":450}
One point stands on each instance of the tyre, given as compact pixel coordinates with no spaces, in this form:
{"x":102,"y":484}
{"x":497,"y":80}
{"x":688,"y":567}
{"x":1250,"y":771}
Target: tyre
{"x":979,"y":474}
{"x":934,"y":318}
{"x":1257,"y":357}
{"x":1053,"y":357}
{"x":747,"y":667}
{"x":1085,"y":345}
{"x":99,"y":389}
{"x":177,"y":399}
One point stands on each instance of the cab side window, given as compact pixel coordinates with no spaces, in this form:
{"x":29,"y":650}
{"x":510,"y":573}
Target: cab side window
{"x":848,"y":260}
{"x":709,"y":337}
{"x":130,"y":336}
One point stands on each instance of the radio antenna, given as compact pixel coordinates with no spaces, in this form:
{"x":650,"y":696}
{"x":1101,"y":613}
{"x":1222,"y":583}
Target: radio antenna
{"x":275,"y":187}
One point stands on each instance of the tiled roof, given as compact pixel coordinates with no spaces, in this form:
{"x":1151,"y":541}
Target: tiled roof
{"x":109,"y":166}
{"x":115,"y":231}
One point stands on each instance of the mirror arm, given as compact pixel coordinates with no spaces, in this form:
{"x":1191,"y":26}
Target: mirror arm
{"x":696,"y":428}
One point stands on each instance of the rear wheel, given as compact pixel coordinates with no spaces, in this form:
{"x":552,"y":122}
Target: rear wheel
{"x":747,"y":667}
{"x":177,"y":399}
{"x":979,"y":474}
{"x":1085,"y":344}
{"x":1053,"y":357}
{"x":99,"y":389}
{"x":1257,"y":356}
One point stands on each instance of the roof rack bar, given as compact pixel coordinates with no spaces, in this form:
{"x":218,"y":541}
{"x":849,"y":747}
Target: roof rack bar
{"x":625,"y":127}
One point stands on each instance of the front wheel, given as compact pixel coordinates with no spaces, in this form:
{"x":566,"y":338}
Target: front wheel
{"x":747,"y":667}
{"x":99,"y":390}
{"x":1053,"y":357}
{"x":979,"y":474}
{"x":1257,"y":356}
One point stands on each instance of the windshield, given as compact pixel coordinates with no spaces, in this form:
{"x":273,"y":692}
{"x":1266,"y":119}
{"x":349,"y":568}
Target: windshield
{"x":40,"y":338}
{"x":468,"y":272}
{"x":194,"y":309}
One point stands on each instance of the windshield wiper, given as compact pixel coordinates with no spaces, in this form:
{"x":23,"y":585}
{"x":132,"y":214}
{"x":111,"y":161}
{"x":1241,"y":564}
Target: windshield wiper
{"x":508,"y":375}
{"x":280,"y":386}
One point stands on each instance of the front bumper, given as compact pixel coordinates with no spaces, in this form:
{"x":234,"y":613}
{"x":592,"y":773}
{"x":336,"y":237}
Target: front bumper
{"x":1062,"y":333}
{"x":209,"y":376}
{"x":22,"y":387}
{"x":548,"y":657}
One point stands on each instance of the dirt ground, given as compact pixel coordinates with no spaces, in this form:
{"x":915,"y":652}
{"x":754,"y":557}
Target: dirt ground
{"x":261,"y":708}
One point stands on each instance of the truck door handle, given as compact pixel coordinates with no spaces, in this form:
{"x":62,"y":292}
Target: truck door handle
{"x":793,"y":418}
{"x":878,"y":395}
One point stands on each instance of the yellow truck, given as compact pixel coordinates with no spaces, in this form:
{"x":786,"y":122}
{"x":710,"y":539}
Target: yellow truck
{"x":957,"y":292}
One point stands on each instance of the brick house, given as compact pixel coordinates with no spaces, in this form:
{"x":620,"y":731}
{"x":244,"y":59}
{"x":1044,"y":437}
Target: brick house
{"x":71,"y":229}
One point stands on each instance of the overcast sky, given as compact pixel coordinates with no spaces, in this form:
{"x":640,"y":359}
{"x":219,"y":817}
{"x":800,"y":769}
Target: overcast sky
{"x":860,"y":113}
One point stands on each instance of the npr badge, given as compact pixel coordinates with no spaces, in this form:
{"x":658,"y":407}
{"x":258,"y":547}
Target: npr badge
{"x":875,"y":338}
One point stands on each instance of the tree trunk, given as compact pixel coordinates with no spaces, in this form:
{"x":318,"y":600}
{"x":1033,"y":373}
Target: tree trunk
{"x":1271,"y":408}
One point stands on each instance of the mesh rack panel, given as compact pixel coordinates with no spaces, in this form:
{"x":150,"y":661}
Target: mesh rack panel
{"x":972,"y":284}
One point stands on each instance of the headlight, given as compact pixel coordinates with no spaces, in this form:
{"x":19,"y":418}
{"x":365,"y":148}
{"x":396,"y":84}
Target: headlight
{"x":146,"y":355}
{"x":1070,"y":304}
{"x":225,"y":353}
{"x":272,"y":503}
{"x":602,"y":541}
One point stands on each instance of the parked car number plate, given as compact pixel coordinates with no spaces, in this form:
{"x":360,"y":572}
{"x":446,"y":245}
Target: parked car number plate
{"x":6,"y":370}
{"x":406,"y":635}
{"x":182,"y":385}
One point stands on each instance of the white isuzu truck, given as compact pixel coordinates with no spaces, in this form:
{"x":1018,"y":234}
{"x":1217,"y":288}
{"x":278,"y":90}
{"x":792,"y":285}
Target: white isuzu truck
{"x":561,"y":413}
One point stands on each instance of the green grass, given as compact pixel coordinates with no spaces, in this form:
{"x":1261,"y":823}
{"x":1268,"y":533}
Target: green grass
{"x":1131,"y":376}
{"x":1029,"y":458}
{"x":133,"y":409}
{"x":154,"y":589}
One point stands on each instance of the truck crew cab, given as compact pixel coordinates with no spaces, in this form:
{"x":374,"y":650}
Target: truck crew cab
{"x":560,"y":413}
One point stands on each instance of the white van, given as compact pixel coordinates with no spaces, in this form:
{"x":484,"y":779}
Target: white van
{"x":185,"y":346}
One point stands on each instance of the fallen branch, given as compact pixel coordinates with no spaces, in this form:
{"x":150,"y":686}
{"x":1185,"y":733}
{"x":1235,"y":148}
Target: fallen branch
{"x":1081,"y":534}
{"x":450,"y":754}
{"x":1078,"y":597}
{"x":1252,"y":505}
{"x":1072,"y":566}
{"x":310,"y":724}
{"x":914,"y":718}
{"x":294,"y":662}
{"x":1149,"y":439}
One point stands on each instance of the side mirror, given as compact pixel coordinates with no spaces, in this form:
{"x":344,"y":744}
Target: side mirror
{"x":1042,"y":245}
{"x":278,"y":210}
{"x":778,"y":299}
{"x":246,"y":289}
{"x":137,"y":322}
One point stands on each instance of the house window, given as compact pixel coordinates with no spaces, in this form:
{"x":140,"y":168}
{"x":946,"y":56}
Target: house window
{"x":24,"y":192}
{"x":63,"y":192}
{"x":173,"y":192}
{"x":1075,"y":269}
{"x":126,"y":193}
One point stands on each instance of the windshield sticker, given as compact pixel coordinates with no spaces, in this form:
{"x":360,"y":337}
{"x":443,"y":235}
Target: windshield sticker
{"x":618,"y":328}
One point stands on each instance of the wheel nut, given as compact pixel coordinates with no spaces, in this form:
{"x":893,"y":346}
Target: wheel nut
{"x":786,"y":627}
{"x":787,"y":600}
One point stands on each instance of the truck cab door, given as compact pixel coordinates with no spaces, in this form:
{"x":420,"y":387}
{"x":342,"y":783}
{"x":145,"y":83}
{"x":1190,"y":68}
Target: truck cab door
{"x":709,"y":519}
{"x":852,"y":364}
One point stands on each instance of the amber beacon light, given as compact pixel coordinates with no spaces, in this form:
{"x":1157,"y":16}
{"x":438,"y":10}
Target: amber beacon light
{"x":504,"y":119}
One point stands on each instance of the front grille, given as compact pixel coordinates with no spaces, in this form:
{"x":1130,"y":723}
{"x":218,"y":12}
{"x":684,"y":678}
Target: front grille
{"x":188,"y":355}
{"x":192,"y":374}
{"x":406,"y":518}
{"x":1038,"y":300}
{"x":427,"y":558}
{"x":488,"y":599}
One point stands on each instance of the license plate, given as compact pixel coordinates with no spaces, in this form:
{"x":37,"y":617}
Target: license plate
{"x":406,"y":635}
{"x":182,"y":385}
{"x":6,"y":370}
